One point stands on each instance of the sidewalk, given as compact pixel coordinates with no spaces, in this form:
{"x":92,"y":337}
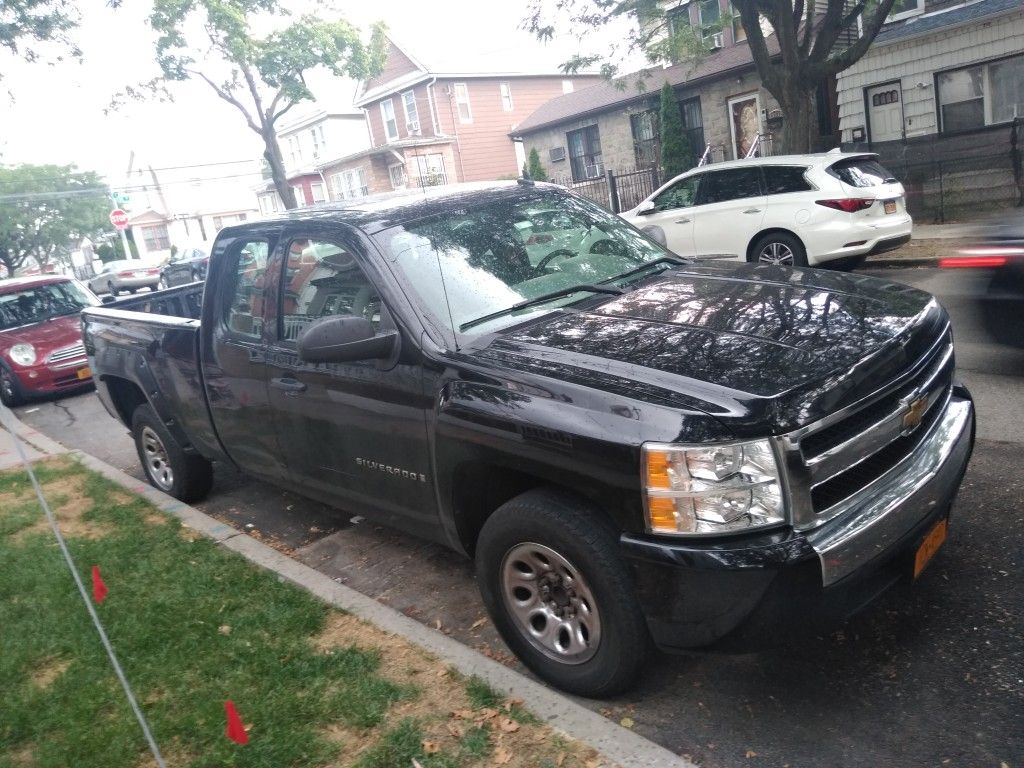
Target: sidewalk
{"x":617,"y":744}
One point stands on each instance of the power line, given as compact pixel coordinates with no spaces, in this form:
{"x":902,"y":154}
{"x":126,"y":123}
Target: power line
{"x":105,"y":191}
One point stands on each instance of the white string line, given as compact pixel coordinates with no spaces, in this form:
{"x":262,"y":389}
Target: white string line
{"x":88,"y":604}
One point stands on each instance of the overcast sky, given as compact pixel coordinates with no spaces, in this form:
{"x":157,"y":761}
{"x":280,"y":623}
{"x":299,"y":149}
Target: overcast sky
{"x":54,"y":113}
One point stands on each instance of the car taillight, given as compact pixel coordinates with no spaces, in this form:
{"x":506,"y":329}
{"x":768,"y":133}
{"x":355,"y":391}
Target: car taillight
{"x":848,"y":204}
{"x":152,"y":271}
{"x":128,"y":273}
{"x":981,"y":257}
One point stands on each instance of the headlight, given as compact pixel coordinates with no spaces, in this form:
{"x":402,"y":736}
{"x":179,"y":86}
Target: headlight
{"x":22,"y":354}
{"x":711,"y":489}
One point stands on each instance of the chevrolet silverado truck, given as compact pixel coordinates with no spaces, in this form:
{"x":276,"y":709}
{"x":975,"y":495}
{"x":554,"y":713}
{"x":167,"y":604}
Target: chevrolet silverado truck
{"x":632,"y":447}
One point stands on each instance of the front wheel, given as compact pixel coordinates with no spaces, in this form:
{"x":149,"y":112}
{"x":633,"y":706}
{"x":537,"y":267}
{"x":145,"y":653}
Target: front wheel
{"x":780,"y":249}
{"x":558,"y":592}
{"x":187,"y":477}
{"x":10,"y":390}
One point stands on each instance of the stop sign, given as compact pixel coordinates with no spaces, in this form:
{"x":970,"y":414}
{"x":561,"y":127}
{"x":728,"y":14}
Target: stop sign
{"x":119,"y":219}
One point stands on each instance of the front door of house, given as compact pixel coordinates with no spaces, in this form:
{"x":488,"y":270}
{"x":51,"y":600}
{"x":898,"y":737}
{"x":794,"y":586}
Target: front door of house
{"x":885,"y":112}
{"x":745,"y":123}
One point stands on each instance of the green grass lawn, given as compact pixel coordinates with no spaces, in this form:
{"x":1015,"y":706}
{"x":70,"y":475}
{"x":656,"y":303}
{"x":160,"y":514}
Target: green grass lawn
{"x":193,"y":625}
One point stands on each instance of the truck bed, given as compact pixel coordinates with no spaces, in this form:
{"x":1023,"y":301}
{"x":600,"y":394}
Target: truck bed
{"x":146,"y":348}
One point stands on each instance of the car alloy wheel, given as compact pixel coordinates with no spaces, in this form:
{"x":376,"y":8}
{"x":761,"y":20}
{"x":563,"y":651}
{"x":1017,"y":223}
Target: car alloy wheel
{"x":158,"y":465}
{"x":775,"y":252}
{"x":550,"y":603}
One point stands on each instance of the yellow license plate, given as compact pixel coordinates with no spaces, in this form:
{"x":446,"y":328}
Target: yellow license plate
{"x":929,"y":547}
{"x":84,"y":373}
{"x":890,"y":206}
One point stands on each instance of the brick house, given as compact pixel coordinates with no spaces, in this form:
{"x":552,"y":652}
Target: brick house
{"x":442,"y":124}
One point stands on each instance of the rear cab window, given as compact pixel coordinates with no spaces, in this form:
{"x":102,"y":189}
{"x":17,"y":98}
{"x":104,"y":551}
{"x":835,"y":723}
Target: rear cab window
{"x":861,"y":172}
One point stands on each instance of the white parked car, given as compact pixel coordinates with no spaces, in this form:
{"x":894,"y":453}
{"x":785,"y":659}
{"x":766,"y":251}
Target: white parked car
{"x":797,"y":210}
{"x":125,"y":275}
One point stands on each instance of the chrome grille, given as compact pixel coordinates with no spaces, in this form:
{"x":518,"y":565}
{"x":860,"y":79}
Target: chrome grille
{"x":74,"y":352}
{"x":833,"y":459}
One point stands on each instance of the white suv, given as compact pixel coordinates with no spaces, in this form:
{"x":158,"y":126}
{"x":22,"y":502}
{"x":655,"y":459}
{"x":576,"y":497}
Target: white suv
{"x":798,"y":210}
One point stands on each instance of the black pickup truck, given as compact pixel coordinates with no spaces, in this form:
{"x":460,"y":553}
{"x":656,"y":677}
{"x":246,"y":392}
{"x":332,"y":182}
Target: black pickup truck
{"x":633,"y":447}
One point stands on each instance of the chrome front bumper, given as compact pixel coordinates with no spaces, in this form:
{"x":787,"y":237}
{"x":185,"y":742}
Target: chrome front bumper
{"x":876,"y":517}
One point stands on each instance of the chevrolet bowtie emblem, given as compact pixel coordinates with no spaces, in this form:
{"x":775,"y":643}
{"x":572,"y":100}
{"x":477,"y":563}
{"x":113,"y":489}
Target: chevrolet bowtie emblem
{"x":912,"y":418}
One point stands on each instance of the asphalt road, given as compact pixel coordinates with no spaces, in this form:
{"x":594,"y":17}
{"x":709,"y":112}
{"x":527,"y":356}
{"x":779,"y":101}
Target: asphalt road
{"x":931,"y":675}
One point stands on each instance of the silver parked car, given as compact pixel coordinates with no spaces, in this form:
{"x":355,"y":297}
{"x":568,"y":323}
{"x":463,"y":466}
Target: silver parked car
{"x":126,"y":275}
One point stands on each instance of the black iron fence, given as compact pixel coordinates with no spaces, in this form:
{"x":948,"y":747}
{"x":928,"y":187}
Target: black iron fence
{"x":950,"y":177}
{"x":615,"y":191}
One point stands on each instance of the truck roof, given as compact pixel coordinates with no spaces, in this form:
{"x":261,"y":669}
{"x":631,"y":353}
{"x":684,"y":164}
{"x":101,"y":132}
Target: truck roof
{"x":377,"y":212}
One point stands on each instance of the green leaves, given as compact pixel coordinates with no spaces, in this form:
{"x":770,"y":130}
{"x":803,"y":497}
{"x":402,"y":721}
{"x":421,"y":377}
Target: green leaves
{"x":44,"y":208}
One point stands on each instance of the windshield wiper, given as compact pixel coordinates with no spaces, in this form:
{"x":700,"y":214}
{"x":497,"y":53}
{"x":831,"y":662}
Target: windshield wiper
{"x":677,"y":260}
{"x":543,"y":298}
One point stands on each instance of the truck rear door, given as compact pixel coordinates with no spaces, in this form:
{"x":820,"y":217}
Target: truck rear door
{"x":234,"y":355}
{"x":353,"y":434}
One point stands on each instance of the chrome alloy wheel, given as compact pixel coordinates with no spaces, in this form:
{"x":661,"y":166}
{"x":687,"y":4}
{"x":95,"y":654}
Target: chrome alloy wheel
{"x":550,"y":603}
{"x":776,"y":253}
{"x":158,"y":467}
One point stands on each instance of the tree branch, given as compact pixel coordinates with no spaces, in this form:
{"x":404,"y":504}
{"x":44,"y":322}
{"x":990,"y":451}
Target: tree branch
{"x":848,"y":57}
{"x":229,"y":99}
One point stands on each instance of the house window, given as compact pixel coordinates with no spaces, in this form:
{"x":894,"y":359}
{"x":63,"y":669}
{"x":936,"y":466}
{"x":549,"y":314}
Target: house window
{"x":506,"y":97}
{"x":710,"y":14}
{"x":645,"y":138}
{"x":387,"y":113}
{"x":739,"y":34}
{"x":985,"y":94}
{"x":349,"y":184}
{"x":317,"y":188}
{"x":567,"y":86}
{"x":462,"y":102}
{"x":270,"y":202}
{"x":295,"y":150}
{"x":397,"y":174}
{"x":585,"y":153}
{"x":412,"y":115}
{"x":317,"y":135}
{"x":902,"y":9}
{"x":155,"y":237}
{"x":431,"y":170}
{"x":693,"y":127}
{"x":678,"y":19}
{"x":300,"y":196}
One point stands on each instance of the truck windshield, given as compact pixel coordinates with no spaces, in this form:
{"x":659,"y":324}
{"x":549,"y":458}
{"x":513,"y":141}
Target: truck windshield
{"x":480,"y":261}
{"x":42,"y":302}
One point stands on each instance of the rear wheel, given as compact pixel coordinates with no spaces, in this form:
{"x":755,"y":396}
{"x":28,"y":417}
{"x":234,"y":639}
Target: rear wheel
{"x":778,"y":248}
{"x":187,"y":477}
{"x":558,"y":592}
{"x":10,"y":389}
{"x":111,"y":289}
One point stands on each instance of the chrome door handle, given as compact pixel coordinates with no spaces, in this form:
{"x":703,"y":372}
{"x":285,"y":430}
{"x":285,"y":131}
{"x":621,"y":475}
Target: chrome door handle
{"x":290,"y":386}
{"x":682,"y":221}
{"x":752,"y":210}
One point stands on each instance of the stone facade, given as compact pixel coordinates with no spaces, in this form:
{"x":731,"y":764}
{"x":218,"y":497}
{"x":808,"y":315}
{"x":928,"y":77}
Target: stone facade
{"x":615,"y":130}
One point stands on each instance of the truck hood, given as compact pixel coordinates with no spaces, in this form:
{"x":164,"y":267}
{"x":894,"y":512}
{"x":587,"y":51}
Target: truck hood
{"x":46,"y":336}
{"x":755,"y":346}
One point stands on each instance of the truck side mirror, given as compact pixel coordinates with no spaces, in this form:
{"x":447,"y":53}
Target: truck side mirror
{"x":343,"y":338}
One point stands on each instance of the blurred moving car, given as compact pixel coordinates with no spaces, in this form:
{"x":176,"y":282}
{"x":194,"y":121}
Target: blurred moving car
{"x":125,"y":275}
{"x":795,"y":210}
{"x":995,"y":254}
{"x":186,"y":266}
{"x":41,"y":349}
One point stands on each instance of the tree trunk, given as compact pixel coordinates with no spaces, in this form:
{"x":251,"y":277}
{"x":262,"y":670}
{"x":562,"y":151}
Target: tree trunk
{"x":272,"y":153}
{"x":799,"y":129}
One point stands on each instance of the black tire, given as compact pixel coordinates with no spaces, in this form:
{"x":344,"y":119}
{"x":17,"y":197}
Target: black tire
{"x":132,"y":290}
{"x":187,"y":477}
{"x":10,"y":390}
{"x":111,"y":289}
{"x":195,"y":277}
{"x":787,"y":248}
{"x":545,"y":521}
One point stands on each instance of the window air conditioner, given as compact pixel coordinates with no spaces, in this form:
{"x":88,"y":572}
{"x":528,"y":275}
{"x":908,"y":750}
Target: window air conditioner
{"x":716,"y":41}
{"x":556,"y":153}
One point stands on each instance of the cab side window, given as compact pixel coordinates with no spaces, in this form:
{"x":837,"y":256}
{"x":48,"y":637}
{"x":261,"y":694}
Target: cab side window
{"x":682,"y":194}
{"x":731,"y":184}
{"x":243,"y":313}
{"x":323,"y":279}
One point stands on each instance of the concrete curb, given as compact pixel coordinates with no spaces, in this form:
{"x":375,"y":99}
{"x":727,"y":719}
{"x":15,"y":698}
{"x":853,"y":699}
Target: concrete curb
{"x":624,"y":747}
{"x":35,"y":439}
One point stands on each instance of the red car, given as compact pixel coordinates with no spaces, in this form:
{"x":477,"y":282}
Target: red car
{"x":41,"y":351}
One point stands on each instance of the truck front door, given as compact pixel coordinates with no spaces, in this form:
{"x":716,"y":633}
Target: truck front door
{"x":353,"y":434}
